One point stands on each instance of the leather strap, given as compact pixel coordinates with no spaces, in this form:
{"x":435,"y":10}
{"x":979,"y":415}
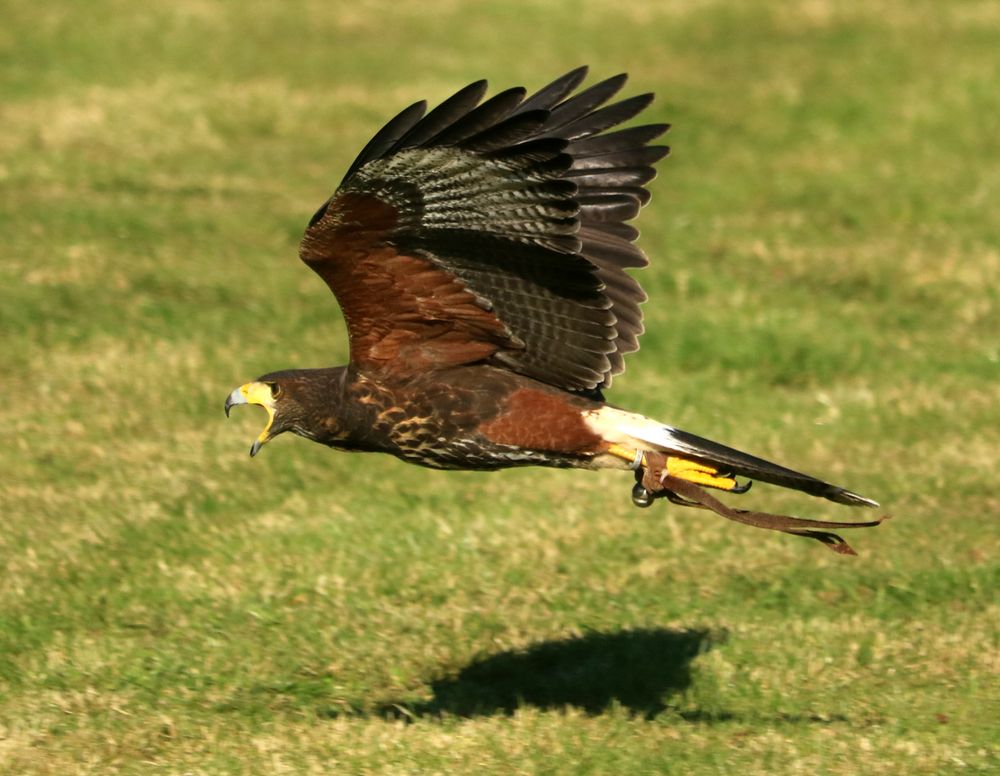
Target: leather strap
{"x":689,"y":494}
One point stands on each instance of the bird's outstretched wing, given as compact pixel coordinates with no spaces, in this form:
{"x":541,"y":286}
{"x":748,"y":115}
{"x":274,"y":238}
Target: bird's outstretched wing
{"x":494,"y":231}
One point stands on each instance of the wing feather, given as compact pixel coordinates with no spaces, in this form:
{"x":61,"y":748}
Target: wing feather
{"x":388,"y":137}
{"x":495,"y":231}
{"x":599,"y":120}
{"x":548,"y":96}
{"x":440,"y":118}
{"x":487,"y":115}
{"x":622,"y":140}
{"x":583,"y":103}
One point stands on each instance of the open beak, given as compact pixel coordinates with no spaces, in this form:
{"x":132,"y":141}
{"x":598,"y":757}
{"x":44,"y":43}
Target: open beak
{"x":259,"y":394}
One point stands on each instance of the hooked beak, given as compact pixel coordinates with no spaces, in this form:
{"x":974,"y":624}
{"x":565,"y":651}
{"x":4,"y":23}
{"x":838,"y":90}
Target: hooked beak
{"x":259,"y":394}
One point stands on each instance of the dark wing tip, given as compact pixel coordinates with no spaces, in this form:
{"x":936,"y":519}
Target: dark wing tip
{"x":388,"y":136}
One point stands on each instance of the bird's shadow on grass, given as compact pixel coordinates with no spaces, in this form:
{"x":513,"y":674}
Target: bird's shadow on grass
{"x":636,"y":669}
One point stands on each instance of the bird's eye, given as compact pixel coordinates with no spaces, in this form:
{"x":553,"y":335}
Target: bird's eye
{"x":275,"y":390}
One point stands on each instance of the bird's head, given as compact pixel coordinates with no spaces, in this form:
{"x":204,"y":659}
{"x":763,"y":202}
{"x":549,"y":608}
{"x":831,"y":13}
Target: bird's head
{"x":281,"y":395}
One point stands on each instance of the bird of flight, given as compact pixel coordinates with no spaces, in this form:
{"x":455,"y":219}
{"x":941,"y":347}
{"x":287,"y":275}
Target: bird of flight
{"x":478,"y":253}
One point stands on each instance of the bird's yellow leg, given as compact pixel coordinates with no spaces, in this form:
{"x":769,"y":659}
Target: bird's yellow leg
{"x":675,"y":466}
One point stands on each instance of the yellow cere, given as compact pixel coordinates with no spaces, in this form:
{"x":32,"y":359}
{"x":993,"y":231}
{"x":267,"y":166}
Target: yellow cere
{"x":260,"y":394}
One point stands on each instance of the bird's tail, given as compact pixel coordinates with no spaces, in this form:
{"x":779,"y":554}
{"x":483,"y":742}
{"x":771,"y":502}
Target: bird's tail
{"x":674,"y":464}
{"x":713,"y":464}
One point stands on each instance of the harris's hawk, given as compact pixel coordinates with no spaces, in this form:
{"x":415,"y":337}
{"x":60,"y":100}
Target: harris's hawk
{"x":478,"y":253}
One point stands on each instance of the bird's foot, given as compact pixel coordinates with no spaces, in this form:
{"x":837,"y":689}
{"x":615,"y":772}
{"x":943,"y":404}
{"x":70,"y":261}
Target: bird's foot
{"x":659,"y":466}
{"x":658,"y":475}
{"x":656,"y":467}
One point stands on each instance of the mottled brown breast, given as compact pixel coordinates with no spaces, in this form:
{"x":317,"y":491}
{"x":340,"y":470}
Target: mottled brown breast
{"x":473,"y":417}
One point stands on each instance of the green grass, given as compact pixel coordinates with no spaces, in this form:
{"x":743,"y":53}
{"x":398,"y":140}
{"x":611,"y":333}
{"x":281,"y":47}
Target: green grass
{"x":823,"y":292}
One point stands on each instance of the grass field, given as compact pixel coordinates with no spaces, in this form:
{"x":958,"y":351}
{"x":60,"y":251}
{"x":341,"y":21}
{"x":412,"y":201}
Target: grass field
{"x":824,"y":293}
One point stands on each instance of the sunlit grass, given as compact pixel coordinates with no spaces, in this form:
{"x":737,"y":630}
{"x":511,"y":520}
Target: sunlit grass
{"x":823,"y":292}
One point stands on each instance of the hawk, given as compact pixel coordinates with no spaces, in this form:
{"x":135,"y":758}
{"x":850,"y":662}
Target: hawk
{"x":479,"y":255}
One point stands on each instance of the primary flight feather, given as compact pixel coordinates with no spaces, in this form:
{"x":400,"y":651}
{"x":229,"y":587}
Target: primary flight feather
{"x":479,"y":256}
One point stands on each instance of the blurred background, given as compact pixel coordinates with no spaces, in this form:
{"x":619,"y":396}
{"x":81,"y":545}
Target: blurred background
{"x":823,"y":292}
